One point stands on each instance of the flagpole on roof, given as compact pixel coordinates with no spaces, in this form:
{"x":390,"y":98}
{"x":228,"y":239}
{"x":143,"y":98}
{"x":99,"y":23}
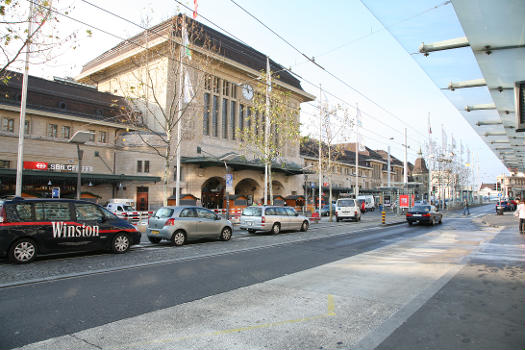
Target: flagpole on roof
{"x":23,"y":104}
{"x":320,"y":164}
{"x":429,"y":160}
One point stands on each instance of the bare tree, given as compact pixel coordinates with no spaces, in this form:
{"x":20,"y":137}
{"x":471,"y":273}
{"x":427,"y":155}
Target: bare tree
{"x":282,"y":119}
{"x":155,"y":106}
{"x":43,"y":40}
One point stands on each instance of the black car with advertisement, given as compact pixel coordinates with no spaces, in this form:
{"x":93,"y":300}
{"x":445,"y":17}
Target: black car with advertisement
{"x":425,"y":214}
{"x":31,"y":227}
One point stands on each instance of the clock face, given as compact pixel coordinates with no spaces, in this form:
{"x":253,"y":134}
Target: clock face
{"x":247,"y":91}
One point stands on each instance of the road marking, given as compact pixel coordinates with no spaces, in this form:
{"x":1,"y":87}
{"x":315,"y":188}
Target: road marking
{"x":330,"y":311}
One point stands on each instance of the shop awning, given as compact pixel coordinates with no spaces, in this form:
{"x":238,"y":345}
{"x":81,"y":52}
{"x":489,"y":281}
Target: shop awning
{"x":9,"y":174}
{"x":241,"y":163}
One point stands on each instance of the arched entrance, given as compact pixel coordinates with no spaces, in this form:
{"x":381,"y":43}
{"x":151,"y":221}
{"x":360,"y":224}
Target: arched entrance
{"x":247,"y":187}
{"x":277,"y":188}
{"x":212,"y":193}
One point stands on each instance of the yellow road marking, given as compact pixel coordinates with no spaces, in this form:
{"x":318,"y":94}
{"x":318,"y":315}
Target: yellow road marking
{"x":330,"y":312}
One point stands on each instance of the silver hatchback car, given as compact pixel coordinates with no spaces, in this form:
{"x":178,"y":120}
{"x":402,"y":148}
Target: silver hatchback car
{"x":180,"y":224}
{"x":272,"y":219}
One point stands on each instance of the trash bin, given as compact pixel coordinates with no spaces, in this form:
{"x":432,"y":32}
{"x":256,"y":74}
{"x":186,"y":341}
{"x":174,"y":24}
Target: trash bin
{"x":499,"y":210}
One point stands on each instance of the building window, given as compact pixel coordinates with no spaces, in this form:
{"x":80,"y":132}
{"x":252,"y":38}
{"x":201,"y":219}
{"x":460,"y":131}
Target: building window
{"x":224,"y":118}
{"x":52,"y":130}
{"x":233,"y":109}
{"x":226,"y":88}
{"x":139,"y":166}
{"x":8,"y":124}
{"x":146,"y":166}
{"x":215,"y":116}
{"x":249,"y":118}
{"x":206,"y":117}
{"x":233,"y":91}
{"x":103,"y":137}
{"x":66,"y":132}
{"x":92,"y":136}
{"x":216,"y":84}
{"x":241,"y":117}
{"x":27,"y":127}
{"x":142,"y":166}
{"x":207,"y":82}
{"x":5,"y":164}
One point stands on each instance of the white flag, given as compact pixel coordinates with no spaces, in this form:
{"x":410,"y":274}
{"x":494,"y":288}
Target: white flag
{"x":186,"y":42}
{"x":188,"y":88}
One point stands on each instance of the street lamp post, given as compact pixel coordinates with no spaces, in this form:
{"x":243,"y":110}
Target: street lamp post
{"x":79,"y":138}
{"x":224,"y":159}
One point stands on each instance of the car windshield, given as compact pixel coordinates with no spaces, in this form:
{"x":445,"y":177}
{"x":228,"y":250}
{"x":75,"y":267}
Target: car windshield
{"x":163,"y":213}
{"x":346,"y":203}
{"x":252,"y":211}
{"x":420,"y":208}
{"x":128,"y":208}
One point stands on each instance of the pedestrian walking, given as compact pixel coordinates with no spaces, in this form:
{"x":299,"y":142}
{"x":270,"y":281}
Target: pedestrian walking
{"x":520,"y":212}
{"x":466,"y":210}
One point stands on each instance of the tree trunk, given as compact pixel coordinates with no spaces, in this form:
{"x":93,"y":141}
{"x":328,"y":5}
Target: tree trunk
{"x":270,"y":181}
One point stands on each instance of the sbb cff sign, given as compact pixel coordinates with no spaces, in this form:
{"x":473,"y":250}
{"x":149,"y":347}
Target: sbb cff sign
{"x":36,"y":165}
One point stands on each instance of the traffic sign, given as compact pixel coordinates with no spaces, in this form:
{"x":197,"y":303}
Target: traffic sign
{"x":55,"y":192}
{"x":229,"y":183}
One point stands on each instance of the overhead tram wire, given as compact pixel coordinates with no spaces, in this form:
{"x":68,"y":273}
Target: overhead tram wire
{"x":283,"y":69}
{"x":324,"y":69}
{"x":134,"y":43}
{"x":159,"y":35}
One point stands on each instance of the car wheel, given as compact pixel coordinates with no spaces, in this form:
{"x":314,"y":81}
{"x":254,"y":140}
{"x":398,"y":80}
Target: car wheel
{"x":432,"y":222}
{"x":251,"y":230}
{"x":337,"y":219}
{"x":276,"y":228}
{"x":304,"y":226}
{"x":410,"y":223}
{"x":178,"y":238}
{"x":359,"y":218}
{"x":440,"y":220}
{"x":121,"y":243}
{"x":23,"y":251}
{"x":226,"y":234}
{"x":155,"y":239}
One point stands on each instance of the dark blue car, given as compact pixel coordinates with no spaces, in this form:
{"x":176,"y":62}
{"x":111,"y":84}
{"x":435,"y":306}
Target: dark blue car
{"x":30,"y":227}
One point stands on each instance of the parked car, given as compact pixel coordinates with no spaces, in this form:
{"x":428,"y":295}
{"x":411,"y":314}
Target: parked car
{"x":505,"y":205}
{"x":347,"y":209}
{"x":325,"y":210}
{"x":425,"y":214}
{"x":370,"y":203}
{"x":31,"y":227}
{"x":184,"y":223}
{"x":272,"y":219}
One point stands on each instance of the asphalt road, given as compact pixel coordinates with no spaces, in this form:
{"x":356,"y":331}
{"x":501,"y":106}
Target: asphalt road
{"x":39,"y":311}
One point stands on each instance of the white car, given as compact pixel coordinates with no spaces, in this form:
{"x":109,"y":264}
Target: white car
{"x":347,"y":209}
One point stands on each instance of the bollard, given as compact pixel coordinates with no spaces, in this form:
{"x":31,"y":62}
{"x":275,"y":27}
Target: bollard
{"x":383,"y":215}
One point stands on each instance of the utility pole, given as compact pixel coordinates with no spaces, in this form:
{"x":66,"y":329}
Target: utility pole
{"x":267,"y":129}
{"x":23,"y":103}
{"x":320,"y":135}
{"x":388,"y":166}
{"x":405,"y":163}
{"x":357,"y":153}
{"x":179,"y":114}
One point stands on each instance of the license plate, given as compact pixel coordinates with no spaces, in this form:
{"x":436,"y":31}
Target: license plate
{"x":416,"y":215}
{"x":154,"y":232}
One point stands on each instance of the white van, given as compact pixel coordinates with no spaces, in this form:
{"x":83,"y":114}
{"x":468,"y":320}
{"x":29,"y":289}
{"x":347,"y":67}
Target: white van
{"x":370,"y":203}
{"x":347,"y":208}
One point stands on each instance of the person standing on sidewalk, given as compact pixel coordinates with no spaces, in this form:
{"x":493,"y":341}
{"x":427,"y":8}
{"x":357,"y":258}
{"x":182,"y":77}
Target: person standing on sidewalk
{"x":520,"y":212}
{"x":465,"y":208}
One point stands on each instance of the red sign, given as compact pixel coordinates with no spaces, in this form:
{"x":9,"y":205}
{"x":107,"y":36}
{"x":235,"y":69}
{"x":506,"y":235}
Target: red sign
{"x":35,"y":165}
{"x":403,"y":201}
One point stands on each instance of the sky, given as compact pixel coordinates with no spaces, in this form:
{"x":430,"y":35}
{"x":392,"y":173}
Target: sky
{"x":372,"y":65}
